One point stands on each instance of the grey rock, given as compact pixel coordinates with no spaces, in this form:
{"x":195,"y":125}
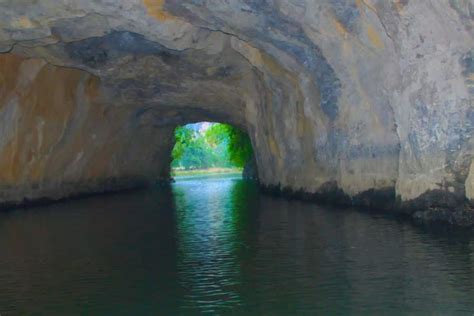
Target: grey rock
{"x":372,"y":99}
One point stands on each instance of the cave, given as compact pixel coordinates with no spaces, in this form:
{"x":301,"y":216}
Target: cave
{"x":355,"y":102}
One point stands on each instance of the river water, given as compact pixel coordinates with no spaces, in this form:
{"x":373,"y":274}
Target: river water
{"x":216,"y":245}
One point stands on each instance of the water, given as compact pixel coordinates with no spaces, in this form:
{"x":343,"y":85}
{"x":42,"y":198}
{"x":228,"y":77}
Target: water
{"x":218,"y":246}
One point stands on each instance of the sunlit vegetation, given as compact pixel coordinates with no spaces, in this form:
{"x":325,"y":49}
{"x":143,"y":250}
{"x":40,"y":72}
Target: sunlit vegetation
{"x":217,"y":146}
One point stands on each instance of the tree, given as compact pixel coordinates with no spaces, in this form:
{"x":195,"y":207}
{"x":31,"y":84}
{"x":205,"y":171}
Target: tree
{"x":221,"y":145}
{"x":183,"y":137}
{"x":239,"y":147}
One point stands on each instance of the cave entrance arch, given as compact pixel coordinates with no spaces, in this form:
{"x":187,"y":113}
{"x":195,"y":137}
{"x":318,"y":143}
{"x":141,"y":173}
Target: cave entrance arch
{"x":211,"y":148}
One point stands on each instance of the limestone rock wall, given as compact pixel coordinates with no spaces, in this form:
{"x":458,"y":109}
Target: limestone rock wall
{"x":367,"y":100}
{"x":58,"y":138}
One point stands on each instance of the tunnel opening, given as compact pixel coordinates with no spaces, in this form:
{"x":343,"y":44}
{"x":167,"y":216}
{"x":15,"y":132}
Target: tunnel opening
{"x":211,"y":148}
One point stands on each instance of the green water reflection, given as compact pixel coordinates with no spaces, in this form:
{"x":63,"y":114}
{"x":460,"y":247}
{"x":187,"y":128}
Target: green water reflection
{"x":215,"y":245}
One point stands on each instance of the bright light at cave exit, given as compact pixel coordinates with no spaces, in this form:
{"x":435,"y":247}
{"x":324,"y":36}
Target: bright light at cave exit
{"x":200,"y":127}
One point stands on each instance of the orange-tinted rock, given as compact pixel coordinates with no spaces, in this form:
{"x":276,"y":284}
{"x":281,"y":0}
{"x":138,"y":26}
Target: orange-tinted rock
{"x":61,"y":140}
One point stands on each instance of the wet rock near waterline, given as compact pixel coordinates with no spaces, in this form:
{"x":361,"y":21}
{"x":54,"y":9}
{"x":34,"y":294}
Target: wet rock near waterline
{"x":463,"y":217}
{"x":36,"y":196}
{"x":423,"y":210}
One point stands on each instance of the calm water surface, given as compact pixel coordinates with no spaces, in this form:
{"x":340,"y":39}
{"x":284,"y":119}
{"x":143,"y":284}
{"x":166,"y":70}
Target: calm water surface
{"x":218,"y":246}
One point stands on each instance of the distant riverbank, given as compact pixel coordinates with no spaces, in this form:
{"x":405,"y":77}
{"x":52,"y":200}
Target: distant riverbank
{"x":181,"y":172}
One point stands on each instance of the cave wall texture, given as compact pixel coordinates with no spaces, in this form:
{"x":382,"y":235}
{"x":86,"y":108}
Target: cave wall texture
{"x":370,"y":101}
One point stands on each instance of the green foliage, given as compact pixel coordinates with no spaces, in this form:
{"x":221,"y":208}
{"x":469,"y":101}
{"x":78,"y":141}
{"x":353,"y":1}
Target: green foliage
{"x":221,"y":146}
{"x":217,"y":134}
{"x":183,"y":136}
{"x":239,"y":146}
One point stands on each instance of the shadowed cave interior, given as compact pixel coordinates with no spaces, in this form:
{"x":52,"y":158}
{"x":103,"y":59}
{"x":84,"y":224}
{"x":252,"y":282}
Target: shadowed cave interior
{"x":344,"y":101}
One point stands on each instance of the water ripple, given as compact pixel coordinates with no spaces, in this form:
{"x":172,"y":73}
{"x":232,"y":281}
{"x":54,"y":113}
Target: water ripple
{"x":217,"y":246}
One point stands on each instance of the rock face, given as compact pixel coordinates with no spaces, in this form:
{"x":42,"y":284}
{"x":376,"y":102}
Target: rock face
{"x":370,"y":100}
{"x":250,"y":171}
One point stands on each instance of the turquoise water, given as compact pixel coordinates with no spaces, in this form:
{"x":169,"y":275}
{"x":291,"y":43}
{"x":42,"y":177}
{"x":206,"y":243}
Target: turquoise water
{"x":215,"y":245}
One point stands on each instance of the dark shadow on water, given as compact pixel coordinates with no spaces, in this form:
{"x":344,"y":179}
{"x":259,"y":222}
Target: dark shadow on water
{"x":218,"y":246}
